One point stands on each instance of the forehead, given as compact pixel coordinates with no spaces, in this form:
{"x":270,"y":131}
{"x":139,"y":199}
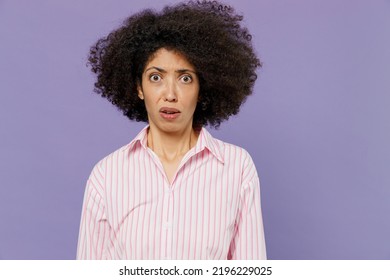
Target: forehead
{"x":169,"y":59}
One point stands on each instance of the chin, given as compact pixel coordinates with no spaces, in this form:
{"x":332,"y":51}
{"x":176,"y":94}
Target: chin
{"x":172,"y":127}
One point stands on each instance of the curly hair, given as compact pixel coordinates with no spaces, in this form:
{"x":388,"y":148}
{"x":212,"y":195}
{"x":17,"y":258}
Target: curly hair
{"x":207,"y":33}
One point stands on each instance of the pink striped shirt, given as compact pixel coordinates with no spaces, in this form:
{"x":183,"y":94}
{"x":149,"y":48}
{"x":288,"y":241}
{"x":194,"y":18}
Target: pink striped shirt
{"x":210,"y":211}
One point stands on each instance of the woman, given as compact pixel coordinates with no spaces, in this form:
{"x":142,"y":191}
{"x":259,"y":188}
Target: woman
{"x":175,"y":192}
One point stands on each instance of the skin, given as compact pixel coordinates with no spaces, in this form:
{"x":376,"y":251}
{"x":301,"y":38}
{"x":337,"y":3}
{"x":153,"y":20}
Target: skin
{"x":170,"y":84}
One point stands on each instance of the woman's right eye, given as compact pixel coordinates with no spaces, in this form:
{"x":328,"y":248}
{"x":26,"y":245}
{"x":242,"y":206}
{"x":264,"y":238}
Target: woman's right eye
{"x":154,"y":78}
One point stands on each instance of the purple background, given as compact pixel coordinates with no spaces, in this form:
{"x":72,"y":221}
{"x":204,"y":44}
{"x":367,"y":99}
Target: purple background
{"x":317,"y":127}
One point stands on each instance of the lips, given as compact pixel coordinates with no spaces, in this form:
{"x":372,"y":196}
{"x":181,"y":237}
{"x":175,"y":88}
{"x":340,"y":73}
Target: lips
{"x":169,"y":113}
{"x":167,"y":110}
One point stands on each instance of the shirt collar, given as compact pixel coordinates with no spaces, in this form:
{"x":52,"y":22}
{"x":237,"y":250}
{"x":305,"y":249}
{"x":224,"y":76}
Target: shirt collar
{"x":205,"y":141}
{"x":141,"y":138}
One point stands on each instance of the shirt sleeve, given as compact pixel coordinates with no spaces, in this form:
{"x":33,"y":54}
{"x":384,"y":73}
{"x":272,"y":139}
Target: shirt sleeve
{"x":94,"y":227}
{"x":248,"y":242}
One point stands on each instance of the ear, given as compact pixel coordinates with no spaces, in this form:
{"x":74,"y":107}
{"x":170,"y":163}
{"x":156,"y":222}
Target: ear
{"x":140,"y":92}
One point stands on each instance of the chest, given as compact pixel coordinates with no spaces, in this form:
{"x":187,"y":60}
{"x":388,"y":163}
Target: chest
{"x":191,"y":216}
{"x":192,"y":219}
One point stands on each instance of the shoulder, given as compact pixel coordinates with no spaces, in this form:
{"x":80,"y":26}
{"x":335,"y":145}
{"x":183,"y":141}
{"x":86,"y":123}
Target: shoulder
{"x":239,"y":157}
{"x":113,"y":160}
{"x":120,"y":157}
{"x":230,"y":152}
{"x":105,"y":170}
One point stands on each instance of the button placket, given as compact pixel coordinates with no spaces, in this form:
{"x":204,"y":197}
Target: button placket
{"x":168,"y":221}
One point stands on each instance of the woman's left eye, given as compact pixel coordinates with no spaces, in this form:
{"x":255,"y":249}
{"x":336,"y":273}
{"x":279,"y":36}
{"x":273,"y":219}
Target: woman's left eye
{"x":186,"y":79}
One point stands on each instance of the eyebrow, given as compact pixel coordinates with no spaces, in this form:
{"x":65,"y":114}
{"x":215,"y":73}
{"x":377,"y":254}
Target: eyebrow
{"x":165,"y":71}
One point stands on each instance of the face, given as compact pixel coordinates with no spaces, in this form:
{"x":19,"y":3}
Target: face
{"x":170,"y":89}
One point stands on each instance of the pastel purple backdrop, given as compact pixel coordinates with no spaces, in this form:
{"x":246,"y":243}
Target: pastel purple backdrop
{"x":317,"y":125}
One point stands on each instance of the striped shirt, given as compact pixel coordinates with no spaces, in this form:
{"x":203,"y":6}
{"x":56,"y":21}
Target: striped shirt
{"x":211,"y":210}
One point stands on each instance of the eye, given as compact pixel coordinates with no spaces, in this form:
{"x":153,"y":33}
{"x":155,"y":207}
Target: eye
{"x":154,"y":78}
{"x":186,"y":79}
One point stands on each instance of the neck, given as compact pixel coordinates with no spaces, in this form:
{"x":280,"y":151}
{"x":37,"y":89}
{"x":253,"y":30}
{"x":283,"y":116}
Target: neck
{"x":171,"y":145}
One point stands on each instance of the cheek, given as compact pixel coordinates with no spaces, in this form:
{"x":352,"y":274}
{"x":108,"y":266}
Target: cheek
{"x":194,"y":101}
{"x":151,"y":95}
{"x":148,"y":101}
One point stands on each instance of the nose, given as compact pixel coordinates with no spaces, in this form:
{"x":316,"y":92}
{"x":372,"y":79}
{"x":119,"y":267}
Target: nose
{"x":170,"y":94}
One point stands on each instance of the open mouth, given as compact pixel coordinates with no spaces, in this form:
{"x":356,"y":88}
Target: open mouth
{"x":166,"y":110}
{"x":169,"y":113}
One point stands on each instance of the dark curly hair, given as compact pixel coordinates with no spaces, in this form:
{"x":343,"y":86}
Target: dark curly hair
{"x":208,"y":34}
